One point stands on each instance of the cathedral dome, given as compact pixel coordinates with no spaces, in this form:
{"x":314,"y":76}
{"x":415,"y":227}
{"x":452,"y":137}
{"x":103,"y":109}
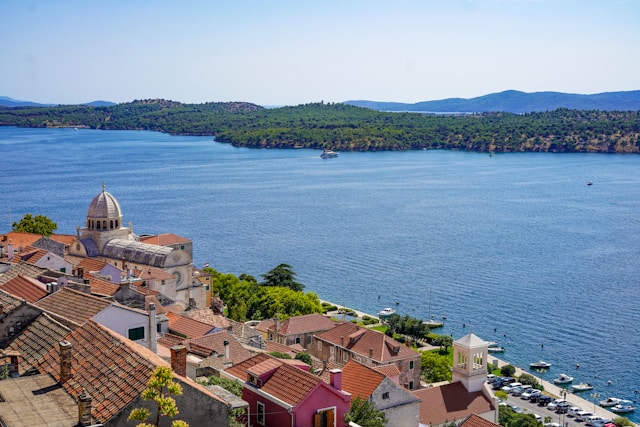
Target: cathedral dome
{"x":104,"y":212}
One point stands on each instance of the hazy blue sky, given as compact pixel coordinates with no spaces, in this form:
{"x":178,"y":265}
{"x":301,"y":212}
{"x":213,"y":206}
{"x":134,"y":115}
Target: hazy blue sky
{"x":274,"y":52}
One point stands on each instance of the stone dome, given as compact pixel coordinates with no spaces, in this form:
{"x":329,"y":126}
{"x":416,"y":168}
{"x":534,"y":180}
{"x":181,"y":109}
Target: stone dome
{"x":104,"y":212}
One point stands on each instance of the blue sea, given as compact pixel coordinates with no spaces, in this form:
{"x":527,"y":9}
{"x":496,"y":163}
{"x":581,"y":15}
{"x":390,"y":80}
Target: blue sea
{"x":514,"y":247}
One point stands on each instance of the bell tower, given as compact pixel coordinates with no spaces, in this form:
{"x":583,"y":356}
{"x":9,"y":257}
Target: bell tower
{"x":470,"y":358}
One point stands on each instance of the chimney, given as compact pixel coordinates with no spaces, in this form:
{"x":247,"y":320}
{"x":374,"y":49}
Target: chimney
{"x":226,"y":349}
{"x":10,"y":251}
{"x":179,"y":359}
{"x":84,"y":409}
{"x":153,"y":328}
{"x":66,"y":363}
{"x":335,"y":378}
{"x":370,"y":353}
{"x":342,"y":341}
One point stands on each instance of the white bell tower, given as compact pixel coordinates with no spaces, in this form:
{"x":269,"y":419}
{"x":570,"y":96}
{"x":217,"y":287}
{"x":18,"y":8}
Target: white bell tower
{"x":470,"y":359}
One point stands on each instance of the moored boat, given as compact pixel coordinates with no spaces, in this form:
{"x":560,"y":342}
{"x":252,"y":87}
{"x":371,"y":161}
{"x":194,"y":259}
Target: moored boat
{"x":623,"y":407}
{"x":541,"y":364}
{"x":610,"y":401}
{"x":563,"y":379}
{"x":494,"y":347}
{"x":385,"y":313}
{"x":582,"y":387}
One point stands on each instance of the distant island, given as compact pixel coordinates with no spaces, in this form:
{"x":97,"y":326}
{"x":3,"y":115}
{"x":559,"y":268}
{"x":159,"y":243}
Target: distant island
{"x":513,"y":101}
{"x":343,"y":127}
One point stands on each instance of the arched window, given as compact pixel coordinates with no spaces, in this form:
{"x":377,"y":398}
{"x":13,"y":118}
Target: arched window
{"x":104,"y":224}
{"x":111,"y":225}
{"x":98,"y":225}
{"x":116,"y":223}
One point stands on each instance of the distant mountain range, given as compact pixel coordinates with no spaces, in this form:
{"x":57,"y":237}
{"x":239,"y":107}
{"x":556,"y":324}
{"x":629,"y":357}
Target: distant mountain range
{"x":5,"y":101}
{"x":514,"y":101}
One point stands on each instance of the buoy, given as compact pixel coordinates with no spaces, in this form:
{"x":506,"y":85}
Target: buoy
{"x":577,"y":365}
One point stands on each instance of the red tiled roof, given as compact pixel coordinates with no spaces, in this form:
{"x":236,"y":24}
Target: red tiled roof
{"x":363,"y":341}
{"x":450,"y":402}
{"x":306,"y":324}
{"x":214,"y":343}
{"x":206,"y":315}
{"x":31,"y":290}
{"x":113,"y":370}
{"x":271,"y":346}
{"x":73,"y":305}
{"x":360,"y":380}
{"x":388,"y":370}
{"x":65,"y":239}
{"x":100,"y":286}
{"x":36,"y":339}
{"x":164,"y":239}
{"x":89,"y":265}
{"x":19,"y":239}
{"x":154,"y":273}
{"x":22,"y":268}
{"x":9,"y":302}
{"x":477,"y":421}
{"x":265,"y":325}
{"x":287,"y":383}
{"x":30,"y":255}
{"x":182,"y":325}
{"x":169,"y":340}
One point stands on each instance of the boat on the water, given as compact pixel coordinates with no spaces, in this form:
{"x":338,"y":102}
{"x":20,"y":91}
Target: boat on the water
{"x":494,"y":347}
{"x":327,"y":154}
{"x":610,"y":401}
{"x":563,"y":379}
{"x":540,"y":364}
{"x":385,"y":313}
{"x":582,"y":387}
{"x":623,"y":407}
{"x":432,"y":323}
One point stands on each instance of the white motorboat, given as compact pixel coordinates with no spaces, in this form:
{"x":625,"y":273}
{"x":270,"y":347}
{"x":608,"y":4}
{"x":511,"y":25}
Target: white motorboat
{"x":386,"y":312}
{"x":624,"y":407}
{"x":582,"y":387}
{"x":541,"y":364}
{"x":328,"y":154}
{"x":610,"y":401}
{"x":563,"y":379}
{"x":495,"y":348}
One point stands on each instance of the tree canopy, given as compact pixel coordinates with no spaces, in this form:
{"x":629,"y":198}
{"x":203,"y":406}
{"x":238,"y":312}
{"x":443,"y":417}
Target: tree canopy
{"x":38,"y":224}
{"x":365,"y":414}
{"x":159,"y":389}
{"x":282,"y":275}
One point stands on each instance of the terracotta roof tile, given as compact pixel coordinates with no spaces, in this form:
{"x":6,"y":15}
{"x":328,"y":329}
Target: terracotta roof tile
{"x":169,"y":340}
{"x":9,"y":302}
{"x":100,"y":286}
{"x":20,"y":240}
{"x":22,"y":268}
{"x":26,"y":288}
{"x":366,"y":342}
{"x":73,"y":305}
{"x":182,"y":325}
{"x":388,"y":370}
{"x":477,"y":421}
{"x":207,"y":316}
{"x":450,"y":402}
{"x":36,"y":339}
{"x":164,"y":239}
{"x":214,"y":344}
{"x":90,"y":265}
{"x":306,"y":324}
{"x":360,"y":380}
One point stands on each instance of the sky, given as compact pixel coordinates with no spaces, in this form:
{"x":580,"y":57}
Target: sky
{"x":294,"y":52}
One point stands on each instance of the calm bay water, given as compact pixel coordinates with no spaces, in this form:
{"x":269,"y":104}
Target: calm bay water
{"x":515,"y":247}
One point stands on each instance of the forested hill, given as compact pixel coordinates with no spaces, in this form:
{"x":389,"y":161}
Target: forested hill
{"x":513,"y":101}
{"x":344,"y":127}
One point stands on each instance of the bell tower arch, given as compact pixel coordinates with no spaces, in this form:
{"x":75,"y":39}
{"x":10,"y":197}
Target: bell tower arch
{"x":470,"y":360}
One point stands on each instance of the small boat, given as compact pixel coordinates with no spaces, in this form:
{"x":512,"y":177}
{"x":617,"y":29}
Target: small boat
{"x":582,"y":387}
{"x":624,"y":407}
{"x":386,"y":312}
{"x":541,"y":364}
{"x":493,"y":347}
{"x":563,"y":379}
{"x":328,"y":154}
{"x":432,"y":323}
{"x":610,"y":401}
{"x":590,"y":183}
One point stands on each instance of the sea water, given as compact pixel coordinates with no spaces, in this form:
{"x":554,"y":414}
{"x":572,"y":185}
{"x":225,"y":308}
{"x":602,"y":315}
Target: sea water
{"x":515,"y":248}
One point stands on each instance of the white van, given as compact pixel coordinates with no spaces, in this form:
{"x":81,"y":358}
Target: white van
{"x":592,"y":419}
{"x":583,"y":415}
{"x":571,"y":412}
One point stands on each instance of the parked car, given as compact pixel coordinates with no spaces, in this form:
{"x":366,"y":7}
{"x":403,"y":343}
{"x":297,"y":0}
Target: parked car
{"x":572,"y":411}
{"x":592,"y":419}
{"x":544,"y":400}
{"x":507,"y":388}
{"x":554,"y":405}
{"x":491,"y":378}
{"x":582,"y":416}
{"x":519,"y":390}
{"x":527,"y":394}
{"x":551,"y":425}
{"x":601,"y":423}
{"x":563,"y":407}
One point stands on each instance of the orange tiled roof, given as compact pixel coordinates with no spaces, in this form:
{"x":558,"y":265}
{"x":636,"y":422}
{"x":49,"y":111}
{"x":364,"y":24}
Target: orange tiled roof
{"x":360,"y":380}
{"x":265,"y":325}
{"x":22,"y":268}
{"x":363,"y":341}
{"x":287,"y":383}
{"x":31,"y":290}
{"x":19,"y":239}
{"x":214,"y":343}
{"x":9,"y":302}
{"x":89,"y":265}
{"x":36,"y":339}
{"x":306,"y":324}
{"x":189,"y":328}
{"x":101,"y":286}
{"x":73,"y":305}
{"x":164,"y":239}
{"x":169,"y":340}
{"x":65,"y":239}
{"x":271,"y":346}
{"x":388,"y":370}
{"x":154,"y":273}
{"x":477,"y":421}
{"x":450,"y":402}
{"x":206,"y":315}
{"x":30,"y":255}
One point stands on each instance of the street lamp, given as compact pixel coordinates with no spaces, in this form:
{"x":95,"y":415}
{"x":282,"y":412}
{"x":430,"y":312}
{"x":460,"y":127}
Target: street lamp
{"x":595,"y":396}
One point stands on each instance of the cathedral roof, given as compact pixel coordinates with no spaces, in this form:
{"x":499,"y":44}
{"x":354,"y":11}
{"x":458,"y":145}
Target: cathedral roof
{"x":104,"y":206}
{"x":141,"y":253}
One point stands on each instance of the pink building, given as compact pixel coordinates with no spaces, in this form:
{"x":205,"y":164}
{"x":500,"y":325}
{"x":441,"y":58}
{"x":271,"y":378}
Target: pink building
{"x":280,"y":393}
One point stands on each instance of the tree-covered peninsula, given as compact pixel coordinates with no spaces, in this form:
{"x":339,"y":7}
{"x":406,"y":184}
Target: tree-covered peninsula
{"x":349,"y":128}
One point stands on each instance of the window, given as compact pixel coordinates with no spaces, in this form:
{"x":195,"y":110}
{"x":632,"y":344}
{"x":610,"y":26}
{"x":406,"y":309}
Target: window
{"x":182,"y":247}
{"x":385,"y":395}
{"x":297,"y":340}
{"x":136,"y":333}
{"x":410,"y":385}
{"x":319,"y":345}
{"x":345,"y":357}
{"x":411,"y":364}
{"x":325,"y":418}
{"x":260,"y":413}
